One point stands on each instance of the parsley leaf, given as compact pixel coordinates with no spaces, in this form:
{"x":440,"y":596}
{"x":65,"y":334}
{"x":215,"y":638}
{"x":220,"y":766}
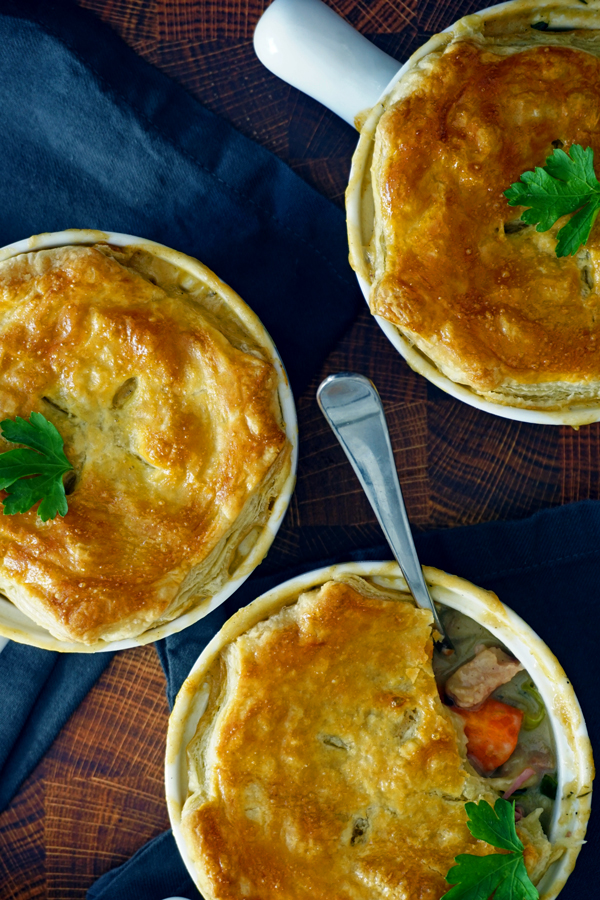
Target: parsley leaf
{"x":45,"y":461}
{"x":502,"y":874}
{"x":567,"y":184}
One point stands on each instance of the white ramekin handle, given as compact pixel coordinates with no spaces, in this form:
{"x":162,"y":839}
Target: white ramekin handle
{"x":308,"y":45}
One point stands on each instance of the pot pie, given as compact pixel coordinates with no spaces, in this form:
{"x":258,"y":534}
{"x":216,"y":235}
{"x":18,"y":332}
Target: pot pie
{"x":164,"y":391}
{"x":481,"y":295}
{"x":325,"y":763}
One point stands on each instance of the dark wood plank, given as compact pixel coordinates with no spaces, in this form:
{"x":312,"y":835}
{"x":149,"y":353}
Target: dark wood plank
{"x":98,"y":795}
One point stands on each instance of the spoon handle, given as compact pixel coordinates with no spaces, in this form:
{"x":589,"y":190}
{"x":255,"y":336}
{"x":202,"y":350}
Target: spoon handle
{"x":353,"y":408}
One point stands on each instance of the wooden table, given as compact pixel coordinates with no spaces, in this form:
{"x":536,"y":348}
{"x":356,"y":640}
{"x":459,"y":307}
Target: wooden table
{"x":98,"y":794}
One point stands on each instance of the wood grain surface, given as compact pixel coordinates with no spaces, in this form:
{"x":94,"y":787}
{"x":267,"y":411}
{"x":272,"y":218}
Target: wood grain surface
{"x":98,"y":794}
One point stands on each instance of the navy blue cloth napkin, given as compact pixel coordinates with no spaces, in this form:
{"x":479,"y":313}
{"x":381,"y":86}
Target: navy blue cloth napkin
{"x":94,"y":137}
{"x":547,"y":568}
{"x":38,"y":692}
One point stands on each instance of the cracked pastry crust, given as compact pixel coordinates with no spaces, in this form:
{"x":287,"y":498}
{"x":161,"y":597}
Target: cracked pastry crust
{"x":480,"y":294}
{"x":165,"y":395}
{"x":325,"y":764}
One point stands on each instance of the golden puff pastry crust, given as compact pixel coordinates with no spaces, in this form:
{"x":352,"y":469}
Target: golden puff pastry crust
{"x":324,"y":763}
{"x":480,"y":294}
{"x":165,"y":394}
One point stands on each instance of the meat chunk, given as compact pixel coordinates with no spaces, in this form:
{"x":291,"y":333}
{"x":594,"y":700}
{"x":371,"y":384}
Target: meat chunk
{"x":474,"y":681}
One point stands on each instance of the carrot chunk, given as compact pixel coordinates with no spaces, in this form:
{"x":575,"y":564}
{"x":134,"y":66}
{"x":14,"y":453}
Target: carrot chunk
{"x":492,"y":732}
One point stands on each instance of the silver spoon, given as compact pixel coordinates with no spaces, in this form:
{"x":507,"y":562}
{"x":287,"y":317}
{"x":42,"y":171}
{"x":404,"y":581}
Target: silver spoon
{"x":353,"y":408}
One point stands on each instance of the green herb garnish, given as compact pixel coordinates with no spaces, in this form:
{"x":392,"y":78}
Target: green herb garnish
{"x":29,"y":476}
{"x":567,"y":184}
{"x":502,"y":874}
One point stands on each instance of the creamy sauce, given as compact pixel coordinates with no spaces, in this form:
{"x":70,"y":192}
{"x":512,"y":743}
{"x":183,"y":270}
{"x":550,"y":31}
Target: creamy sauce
{"x":536,"y":746}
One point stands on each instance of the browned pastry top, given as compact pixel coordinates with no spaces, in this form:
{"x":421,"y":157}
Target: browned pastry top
{"x":488,"y":302}
{"x":326,"y":765}
{"x":169,"y":426}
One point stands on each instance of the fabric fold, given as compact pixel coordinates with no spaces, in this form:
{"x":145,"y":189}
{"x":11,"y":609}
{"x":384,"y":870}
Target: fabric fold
{"x":39,"y":691}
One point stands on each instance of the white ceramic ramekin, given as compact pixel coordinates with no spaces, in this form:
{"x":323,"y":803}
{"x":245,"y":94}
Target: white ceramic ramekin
{"x":16,"y":625}
{"x":574,"y":754}
{"x":308,"y":45}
